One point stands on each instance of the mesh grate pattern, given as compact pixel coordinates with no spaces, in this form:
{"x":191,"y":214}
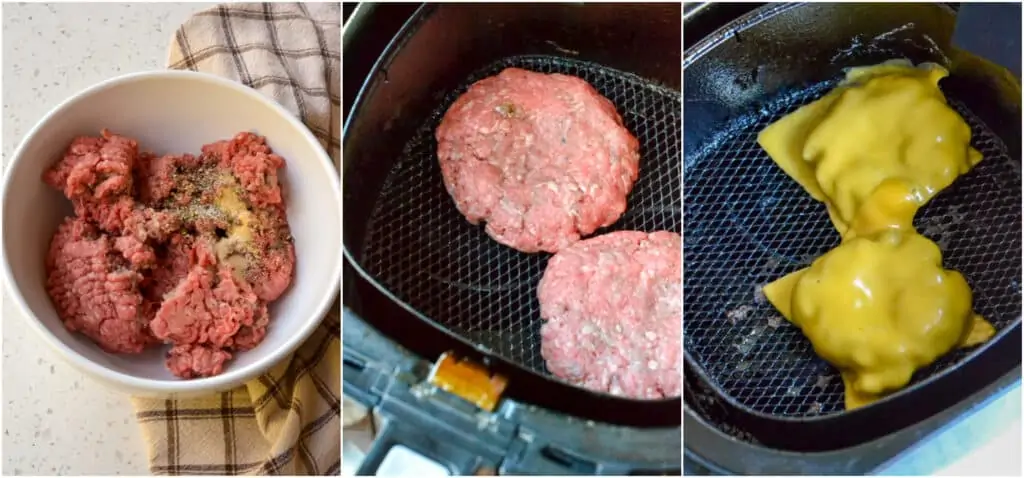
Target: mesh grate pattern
{"x":748,"y":224}
{"x":422,"y":249}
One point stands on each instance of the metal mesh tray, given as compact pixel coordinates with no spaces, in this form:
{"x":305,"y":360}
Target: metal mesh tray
{"x":423,"y":250}
{"x":749,"y":224}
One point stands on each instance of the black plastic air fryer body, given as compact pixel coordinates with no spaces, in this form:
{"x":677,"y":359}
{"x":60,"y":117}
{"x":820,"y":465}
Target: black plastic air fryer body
{"x":752,"y":402}
{"x":403,"y":62}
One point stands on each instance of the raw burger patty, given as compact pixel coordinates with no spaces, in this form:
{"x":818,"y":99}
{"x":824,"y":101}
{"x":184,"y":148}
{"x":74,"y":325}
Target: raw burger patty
{"x":542,"y":159}
{"x":613,"y":315}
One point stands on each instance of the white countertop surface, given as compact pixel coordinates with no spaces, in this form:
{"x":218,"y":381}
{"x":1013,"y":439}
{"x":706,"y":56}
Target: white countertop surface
{"x":55,"y":420}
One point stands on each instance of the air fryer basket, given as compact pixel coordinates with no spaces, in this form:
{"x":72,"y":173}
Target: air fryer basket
{"x":748,"y":372}
{"x":750,"y":224}
{"x":401,"y":227}
{"x":421,"y":248}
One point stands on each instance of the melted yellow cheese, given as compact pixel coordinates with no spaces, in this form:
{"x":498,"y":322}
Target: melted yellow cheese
{"x":879,"y":307}
{"x":876,"y":148}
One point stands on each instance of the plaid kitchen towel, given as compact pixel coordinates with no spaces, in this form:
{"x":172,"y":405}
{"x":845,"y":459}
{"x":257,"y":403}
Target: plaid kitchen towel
{"x":288,"y":421}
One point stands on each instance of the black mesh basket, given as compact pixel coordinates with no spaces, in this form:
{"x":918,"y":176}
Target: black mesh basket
{"x":749,"y":224}
{"x":423,"y":250}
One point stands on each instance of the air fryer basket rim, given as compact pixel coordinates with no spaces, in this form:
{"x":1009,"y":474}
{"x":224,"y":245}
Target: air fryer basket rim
{"x":910,"y":389}
{"x":693,"y":54}
{"x":709,"y":447}
{"x":370,"y":84}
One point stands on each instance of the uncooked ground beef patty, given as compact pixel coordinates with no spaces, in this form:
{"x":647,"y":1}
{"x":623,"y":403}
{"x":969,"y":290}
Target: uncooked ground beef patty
{"x":613,"y":315}
{"x":542,"y":159}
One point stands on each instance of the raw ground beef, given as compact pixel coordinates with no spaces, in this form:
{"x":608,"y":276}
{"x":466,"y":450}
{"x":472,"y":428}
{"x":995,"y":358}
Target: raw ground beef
{"x":96,"y":175}
{"x":543,"y":159}
{"x":95,"y":289}
{"x":205,"y":313}
{"x":178,"y":249}
{"x":612,"y":307}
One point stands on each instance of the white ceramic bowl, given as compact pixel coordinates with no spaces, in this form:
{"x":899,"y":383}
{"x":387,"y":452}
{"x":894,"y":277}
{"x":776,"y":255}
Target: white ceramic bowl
{"x":173,"y":112}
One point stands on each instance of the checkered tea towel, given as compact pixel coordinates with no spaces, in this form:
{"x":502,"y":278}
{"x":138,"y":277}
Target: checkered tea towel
{"x":288,"y":421}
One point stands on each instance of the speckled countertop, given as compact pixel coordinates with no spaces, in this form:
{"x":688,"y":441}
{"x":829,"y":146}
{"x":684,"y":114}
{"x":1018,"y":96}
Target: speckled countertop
{"x":55,"y":420}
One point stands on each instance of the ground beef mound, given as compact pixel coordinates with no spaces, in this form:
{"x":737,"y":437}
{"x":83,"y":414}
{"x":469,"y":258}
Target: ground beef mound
{"x":95,"y":289}
{"x":253,"y":164}
{"x":543,"y":159}
{"x":96,"y":175}
{"x":613,"y":314}
{"x":185,"y":360}
{"x":183,"y":249}
{"x":207,"y":310}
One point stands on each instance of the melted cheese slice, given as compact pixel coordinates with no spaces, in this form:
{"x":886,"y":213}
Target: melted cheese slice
{"x":878,"y":308}
{"x":876,"y":148}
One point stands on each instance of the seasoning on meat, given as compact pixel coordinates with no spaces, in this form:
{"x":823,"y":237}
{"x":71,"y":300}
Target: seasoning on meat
{"x":542,"y":159}
{"x":183,"y":249}
{"x":612,"y":307}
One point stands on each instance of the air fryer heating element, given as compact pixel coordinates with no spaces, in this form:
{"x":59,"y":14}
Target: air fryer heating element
{"x":423,"y":250}
{"x":749,"y":224}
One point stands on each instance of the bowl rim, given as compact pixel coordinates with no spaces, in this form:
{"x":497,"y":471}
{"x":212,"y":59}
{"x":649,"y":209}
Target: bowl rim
{"x":229,"y":378}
